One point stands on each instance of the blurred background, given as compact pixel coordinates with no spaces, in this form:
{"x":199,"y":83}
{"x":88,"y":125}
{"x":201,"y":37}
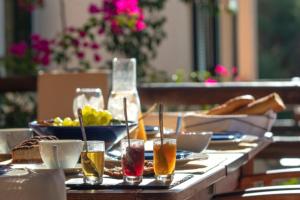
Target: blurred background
{"x":173,"y":41}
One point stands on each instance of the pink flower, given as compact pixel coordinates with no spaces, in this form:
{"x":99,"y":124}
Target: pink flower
{"x":101,"y":31}
{"x":131,"y":15}
{"x":35,"y":37}
{"x":210,"y":81}
{"x":115,"y":27}
{"x":80,"y":55}
{"x":75,"y":42}
{"x":95,"y":46}
{"x":85,"y":44}
{"x":94,"y":9}
{"x":140,"y":25}
{"x":71,"y":29}
{"x":18,"y":49}
{"x":97,"y":58}
{"x":45,"y":60}
{"x":234,"y":70}
{"x":221,"y":70}
{"x":82,"y":34}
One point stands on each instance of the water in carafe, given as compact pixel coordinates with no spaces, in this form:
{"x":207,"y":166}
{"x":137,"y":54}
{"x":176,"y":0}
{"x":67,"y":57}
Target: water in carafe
{"x":124,"y":85}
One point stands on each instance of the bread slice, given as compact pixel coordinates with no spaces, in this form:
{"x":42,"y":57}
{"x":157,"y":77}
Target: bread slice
{"x":231,"y":105}
{"x":28,"y":151}
{"x":262,"y":105}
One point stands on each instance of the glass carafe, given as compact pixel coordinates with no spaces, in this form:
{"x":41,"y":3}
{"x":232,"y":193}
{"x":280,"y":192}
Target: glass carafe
{"x":124,"y":85}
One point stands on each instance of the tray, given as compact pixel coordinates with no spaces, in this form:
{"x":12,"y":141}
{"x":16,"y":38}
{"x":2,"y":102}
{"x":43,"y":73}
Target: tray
{"x":110,"y":183}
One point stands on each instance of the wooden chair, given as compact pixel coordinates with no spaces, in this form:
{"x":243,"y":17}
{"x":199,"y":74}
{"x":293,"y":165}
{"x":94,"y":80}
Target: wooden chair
{"x":248,"y":192}
{"x":55,"y":92}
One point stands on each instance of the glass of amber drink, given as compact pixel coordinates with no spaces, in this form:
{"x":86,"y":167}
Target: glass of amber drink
{"x":92,"y":162}
{"x":164,"y":159}
{"x":133,"y":160}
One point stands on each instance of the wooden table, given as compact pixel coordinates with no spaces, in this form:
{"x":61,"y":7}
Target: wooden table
{"x":219,"y":173}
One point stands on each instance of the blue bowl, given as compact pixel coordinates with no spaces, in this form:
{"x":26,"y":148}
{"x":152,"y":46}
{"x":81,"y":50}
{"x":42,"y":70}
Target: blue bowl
{"x":111,"y":134}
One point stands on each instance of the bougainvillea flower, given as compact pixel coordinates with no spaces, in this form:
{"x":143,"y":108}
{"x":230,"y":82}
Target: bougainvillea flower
{"x":221,"y":70}
{"x":75,"y":42}
{"x":82,"y":34}
{"x":80,"y":55}
{"x":123,"y":14}
{"x":210,"y":80}
{"x":35,"y":37}
{"x":97,"y":58}
{"x":129,"y":7}
{"x":94,"y":9}
{"x":18,"y":49}
{"x":234,"y":70}
{"x":101,"y":31}
{"x":95,"y":46}
{"x":140,"y":25}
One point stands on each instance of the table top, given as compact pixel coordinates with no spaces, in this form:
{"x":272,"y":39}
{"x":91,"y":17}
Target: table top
{"x":220,"y":163}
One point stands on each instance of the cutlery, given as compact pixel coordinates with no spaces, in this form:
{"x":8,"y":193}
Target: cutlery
{"x":89,"y":165}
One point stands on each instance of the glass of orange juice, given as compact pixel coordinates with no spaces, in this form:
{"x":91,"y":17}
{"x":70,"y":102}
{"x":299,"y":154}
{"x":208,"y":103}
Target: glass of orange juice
{"x":164,"y":159}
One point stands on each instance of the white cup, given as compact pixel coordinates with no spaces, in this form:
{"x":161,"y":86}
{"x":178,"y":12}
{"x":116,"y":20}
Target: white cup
{"x":11,"y":137}
{"x":60,"y":153}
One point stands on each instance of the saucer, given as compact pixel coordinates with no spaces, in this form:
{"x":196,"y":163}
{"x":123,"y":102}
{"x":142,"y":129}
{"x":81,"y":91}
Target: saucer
{"x":40,"y":167}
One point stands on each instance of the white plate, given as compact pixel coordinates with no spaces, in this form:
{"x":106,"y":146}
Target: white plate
{"x":39,"y":167}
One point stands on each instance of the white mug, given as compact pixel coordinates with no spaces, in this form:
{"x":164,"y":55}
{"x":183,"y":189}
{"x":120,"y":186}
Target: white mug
{"x":11,"y":137}
{"x":60,"y":153}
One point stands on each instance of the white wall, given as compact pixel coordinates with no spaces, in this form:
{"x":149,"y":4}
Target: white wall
{"x":175,"y":52}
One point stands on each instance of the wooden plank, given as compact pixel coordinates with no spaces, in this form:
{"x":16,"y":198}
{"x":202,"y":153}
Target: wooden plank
{"x":186,"y":190}
{"x":199,"y":93}
{"x":184,"y":93}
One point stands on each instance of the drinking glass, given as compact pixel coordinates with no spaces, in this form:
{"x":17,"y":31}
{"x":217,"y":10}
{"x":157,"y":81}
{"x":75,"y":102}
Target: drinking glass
{"x":132,"y":160}
{"x":164,"y":159}
{"x":92,"y":162}
{"x":124,"y":85}
{"x":88,"y":96}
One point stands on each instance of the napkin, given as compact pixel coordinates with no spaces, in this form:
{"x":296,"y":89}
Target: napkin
{"x":27,"y":185}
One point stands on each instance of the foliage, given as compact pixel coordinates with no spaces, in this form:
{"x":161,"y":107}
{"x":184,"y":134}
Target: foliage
{"x":119,"y":26}
{"x":220,"y":74}
{"x":17,"y":109}
{"x":132,"y":35}
{"x":279,"y":39}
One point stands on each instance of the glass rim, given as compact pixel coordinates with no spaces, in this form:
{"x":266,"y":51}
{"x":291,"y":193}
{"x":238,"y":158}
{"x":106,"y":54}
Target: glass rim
{"x":132,"y":140}
{"x":95,"y":142}
{"x":60,"y":141}
{"x":165,"y":139}
{"x":116,"y":59}
{"x":89,"y":90}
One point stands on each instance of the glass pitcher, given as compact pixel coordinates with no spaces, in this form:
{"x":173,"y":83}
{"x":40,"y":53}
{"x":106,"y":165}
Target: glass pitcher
{"x":124,"y":85}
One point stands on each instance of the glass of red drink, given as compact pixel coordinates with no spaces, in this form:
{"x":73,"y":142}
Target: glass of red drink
{"x":133,"y":161}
